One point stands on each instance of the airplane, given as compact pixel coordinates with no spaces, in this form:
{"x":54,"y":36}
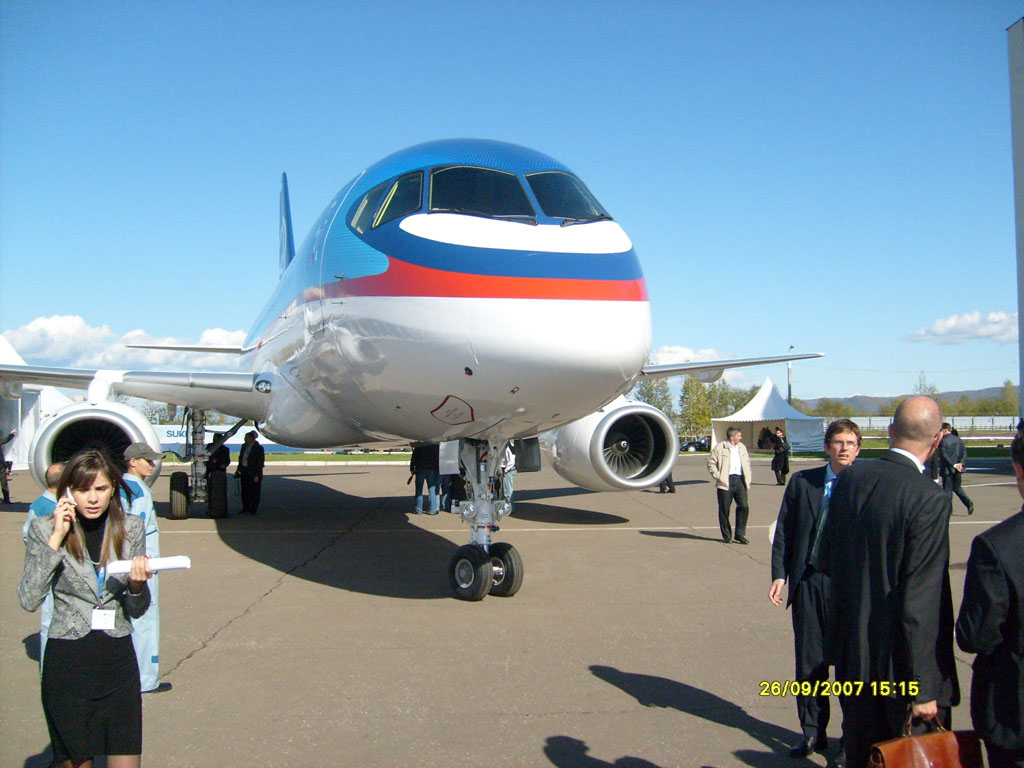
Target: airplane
{"x":465,"y":293}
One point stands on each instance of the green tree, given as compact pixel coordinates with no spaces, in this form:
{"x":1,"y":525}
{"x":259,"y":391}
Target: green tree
{"x":832,"y":408}
{"x":655,"y":392}
{"x":694,"y":417}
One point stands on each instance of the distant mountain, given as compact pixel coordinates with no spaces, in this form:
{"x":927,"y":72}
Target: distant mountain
{"x":868,"y":405}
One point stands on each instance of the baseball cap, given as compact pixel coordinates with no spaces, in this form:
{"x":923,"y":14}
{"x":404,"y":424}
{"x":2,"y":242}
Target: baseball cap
{"x":141,"y":451}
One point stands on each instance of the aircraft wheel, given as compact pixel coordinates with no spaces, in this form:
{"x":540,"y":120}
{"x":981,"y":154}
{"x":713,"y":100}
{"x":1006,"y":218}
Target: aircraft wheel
{"x":471,"y":573}
{"x":507,"y":567}
{"x":217,"y":493}
{"x":179,"y":495}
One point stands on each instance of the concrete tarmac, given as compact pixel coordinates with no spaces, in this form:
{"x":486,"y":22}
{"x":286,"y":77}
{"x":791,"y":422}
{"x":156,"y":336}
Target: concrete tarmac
{"x":322,"y":632}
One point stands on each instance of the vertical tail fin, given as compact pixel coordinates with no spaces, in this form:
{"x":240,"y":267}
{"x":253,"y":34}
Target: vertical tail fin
{"x":287,"y":240}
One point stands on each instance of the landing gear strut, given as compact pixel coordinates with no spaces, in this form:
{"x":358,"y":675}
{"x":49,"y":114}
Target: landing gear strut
{"x":182,"y":491}
{"x":481,"y":568}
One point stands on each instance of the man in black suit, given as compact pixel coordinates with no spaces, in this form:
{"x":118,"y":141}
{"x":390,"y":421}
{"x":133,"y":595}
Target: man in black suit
{"x":890,"y":621}
{"x":794,"y":559}
{"x":250,"y":472}
{"x":952,"y":454}
{"x":991,"y":624}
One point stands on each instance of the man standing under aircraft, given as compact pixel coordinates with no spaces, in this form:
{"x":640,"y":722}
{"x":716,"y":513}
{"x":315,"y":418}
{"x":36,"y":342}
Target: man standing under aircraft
{"x":885,"y":547}
{"x":250,"y":470}
{"x":795,"y":553}
{"x":729,"y":464}
{"x":146,"y":633}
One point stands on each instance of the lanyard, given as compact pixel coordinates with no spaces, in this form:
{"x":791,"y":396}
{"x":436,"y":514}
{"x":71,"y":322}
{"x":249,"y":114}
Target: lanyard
{"x":101,"y":578}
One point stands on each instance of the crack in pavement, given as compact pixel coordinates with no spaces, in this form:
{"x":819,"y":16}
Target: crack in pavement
{"x":203,"y":644}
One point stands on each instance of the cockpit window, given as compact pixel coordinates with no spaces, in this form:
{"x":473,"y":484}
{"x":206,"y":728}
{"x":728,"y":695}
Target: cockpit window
{"x":562,"y":196}
{"x":403,"y":198}
{"x":367,"y":207}
{"x":478,"y":192}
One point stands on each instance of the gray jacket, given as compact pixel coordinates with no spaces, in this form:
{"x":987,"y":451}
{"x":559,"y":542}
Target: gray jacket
{"x":73,"y":582}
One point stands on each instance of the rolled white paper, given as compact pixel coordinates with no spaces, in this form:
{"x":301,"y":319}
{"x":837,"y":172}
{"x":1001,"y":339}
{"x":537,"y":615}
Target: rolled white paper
{"x":176,"y":562}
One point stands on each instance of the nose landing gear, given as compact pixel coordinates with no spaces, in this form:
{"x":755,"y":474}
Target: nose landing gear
{"x":480,"y":567}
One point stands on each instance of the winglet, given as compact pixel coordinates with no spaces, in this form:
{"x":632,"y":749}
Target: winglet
{"x":287,"y":239}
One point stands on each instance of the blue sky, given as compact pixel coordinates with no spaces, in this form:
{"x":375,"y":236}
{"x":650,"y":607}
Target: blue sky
{"x":833,"y":176}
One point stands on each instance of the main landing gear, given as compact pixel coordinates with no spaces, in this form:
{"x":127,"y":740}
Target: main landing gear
{"x":480,"y":567}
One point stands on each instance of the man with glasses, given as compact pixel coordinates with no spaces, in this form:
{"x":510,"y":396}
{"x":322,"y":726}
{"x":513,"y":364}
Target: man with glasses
{"x":795,"y":553}
{"x":141,"y":459}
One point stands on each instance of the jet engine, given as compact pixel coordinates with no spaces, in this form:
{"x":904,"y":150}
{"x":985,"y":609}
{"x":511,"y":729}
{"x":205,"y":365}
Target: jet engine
{"x":109,"y":426}
{"x":622,"y":447}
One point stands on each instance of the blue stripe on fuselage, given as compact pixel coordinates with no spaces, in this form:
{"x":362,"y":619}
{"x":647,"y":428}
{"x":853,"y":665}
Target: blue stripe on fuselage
{"x":394,"y":241}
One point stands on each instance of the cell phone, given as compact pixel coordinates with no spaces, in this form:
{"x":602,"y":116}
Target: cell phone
{"x":71,"y":498}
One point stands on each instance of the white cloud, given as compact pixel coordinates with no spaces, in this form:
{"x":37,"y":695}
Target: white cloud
{"x":1000,"y":327}
{"x":67,"y":341}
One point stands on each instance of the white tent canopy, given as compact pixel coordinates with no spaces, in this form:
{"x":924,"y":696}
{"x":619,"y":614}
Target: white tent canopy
{"x":768,"y":410}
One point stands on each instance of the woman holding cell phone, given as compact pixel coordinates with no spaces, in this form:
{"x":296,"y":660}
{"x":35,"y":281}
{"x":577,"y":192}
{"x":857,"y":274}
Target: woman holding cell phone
{"x":90,"y":683}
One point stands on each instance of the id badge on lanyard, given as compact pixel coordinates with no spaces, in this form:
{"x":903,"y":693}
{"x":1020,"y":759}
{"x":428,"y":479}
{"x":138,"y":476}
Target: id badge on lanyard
{"x":102,"y":618}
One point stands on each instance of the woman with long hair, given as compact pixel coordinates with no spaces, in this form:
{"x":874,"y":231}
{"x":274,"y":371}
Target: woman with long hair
{"x":90,"y":682}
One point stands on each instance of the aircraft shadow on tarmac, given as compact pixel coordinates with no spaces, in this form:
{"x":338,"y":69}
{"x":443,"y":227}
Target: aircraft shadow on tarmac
{"x":357,"y":543}
{"x":653,"y":691}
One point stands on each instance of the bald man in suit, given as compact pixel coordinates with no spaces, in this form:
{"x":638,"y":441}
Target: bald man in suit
{"x":885,"y":547}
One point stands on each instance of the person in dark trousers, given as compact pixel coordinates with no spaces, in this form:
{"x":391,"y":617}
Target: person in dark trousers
{"x":3,"y":467}
{"x":952,"y":454}
{"x":780,"y":461}
{"x":794,"y":559}
{"x":250,"y":472}
{"x":729,"y":465}
{"x":991,"y":624}
{"x":885,"y":547}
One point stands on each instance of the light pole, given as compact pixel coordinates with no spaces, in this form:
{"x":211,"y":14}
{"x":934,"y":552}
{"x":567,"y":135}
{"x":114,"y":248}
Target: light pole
{"x":789,"y":376}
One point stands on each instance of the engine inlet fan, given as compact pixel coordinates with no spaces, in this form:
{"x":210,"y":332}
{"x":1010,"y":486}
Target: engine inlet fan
{"x":629,"y":446}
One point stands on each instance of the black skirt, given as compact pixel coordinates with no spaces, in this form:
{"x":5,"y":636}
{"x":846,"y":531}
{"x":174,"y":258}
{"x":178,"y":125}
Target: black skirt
{"x":91,"y":697}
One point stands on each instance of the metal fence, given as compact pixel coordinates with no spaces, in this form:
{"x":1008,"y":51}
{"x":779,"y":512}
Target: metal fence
{"x":978,"y":423}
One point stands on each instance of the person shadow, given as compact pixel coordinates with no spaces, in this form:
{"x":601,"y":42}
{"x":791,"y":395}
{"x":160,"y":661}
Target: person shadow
{"x":31,"y":643}
{"x":652,"y":691}
{"x":567,"y":752}
{"x":45,"y":759}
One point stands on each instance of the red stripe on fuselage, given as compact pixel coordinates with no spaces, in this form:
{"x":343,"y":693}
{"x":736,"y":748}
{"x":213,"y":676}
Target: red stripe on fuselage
{"x":405,"y":279}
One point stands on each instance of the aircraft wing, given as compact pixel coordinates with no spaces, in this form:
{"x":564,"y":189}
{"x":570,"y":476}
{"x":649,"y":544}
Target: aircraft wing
{"x":715,"y":367}
{"x":239,"y":394}
{"x":189,"y":348}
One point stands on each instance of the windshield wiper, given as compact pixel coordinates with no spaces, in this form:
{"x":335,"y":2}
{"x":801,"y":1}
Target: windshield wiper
{"x":568,"y":222}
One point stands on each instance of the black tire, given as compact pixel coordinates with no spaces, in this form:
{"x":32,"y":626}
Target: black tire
{"x":507,"y":570}
{"x":217,"y":493}
{"x":471,"y":573}
{"x":179,"y":495}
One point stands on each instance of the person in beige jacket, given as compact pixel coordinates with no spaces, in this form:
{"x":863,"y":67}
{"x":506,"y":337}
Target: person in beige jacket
{"x":729,"y":464}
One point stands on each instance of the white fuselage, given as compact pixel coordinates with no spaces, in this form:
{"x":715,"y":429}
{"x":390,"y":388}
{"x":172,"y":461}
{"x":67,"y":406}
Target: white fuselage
{"x":436,"y":369}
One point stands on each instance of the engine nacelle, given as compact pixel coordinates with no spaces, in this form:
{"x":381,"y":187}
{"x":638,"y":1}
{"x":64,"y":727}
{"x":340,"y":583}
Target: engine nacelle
{"x":109,"y":426}
{"x":624,"y":446}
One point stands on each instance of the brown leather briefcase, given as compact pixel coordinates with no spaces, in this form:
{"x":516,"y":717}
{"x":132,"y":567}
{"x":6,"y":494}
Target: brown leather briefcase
{"x":938,"y":749}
